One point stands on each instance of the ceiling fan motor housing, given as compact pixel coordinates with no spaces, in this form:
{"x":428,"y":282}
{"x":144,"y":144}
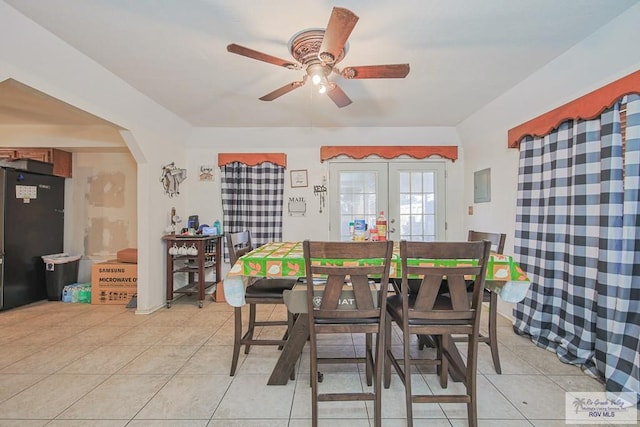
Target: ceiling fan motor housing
{"x":305,"y":48}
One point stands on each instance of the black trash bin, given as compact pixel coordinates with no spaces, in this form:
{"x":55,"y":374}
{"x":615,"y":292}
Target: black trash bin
{"x":60,"y":270}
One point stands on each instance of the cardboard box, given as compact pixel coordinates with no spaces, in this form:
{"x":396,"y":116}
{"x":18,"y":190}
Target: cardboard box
{"x":113,"y":282}
{"x":129,"y":255}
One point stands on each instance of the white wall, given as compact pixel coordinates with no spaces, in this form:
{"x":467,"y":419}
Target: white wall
{"x":33,"y":56}
{"x":302,"y":146}
{"x":605,"y":56}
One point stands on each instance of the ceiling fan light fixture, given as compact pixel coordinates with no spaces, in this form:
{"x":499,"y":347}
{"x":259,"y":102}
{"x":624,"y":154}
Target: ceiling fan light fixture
{"x":318,"y":73}
{"x":316,"y":51}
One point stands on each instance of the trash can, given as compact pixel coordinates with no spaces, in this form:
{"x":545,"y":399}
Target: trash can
{"x":60,"y":270}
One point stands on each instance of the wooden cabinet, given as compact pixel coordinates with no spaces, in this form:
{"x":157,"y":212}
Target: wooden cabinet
{"x":7,"y":153}
{"x":61,"y":162}
{"x":207,"y":256}
{"x":41,"y":155}
{"x":60,"y":159}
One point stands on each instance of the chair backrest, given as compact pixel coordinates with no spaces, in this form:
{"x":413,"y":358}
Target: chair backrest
{"x":497,"y":239}
{"x":342,"y":263}
{"x":238,"y":244}
{"x":428,"y":307}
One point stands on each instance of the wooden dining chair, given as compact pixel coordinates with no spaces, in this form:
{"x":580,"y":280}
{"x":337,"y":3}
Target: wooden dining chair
{"x":364,"y":314}
{"x":491,"y":298}
{"x":430,"y":313}
{"x":260,"y":291}
{"x":491,"y":339}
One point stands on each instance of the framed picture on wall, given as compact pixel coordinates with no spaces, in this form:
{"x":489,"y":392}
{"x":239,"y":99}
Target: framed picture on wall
{"x":482,"y":186}
{"x":299,"y":178}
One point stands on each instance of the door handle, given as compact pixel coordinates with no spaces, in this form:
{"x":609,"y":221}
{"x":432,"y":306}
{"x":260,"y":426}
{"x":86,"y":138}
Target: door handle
{"x":391,"y":229}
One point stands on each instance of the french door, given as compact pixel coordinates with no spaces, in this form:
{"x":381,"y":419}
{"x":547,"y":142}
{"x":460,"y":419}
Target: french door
{"x":412,"y":195}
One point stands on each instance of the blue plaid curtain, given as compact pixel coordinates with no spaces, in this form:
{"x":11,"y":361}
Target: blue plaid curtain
{"x":252,"y":199}
{"x":577,"y":234}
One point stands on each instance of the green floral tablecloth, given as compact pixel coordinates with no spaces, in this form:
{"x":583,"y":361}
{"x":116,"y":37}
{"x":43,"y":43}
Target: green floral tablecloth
{"x":286,"y":259}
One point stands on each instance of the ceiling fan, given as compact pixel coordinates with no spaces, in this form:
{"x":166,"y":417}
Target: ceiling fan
{"x":317,"y":51}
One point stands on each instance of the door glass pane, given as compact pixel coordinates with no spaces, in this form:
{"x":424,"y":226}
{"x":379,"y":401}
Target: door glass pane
{"x":417,"y":205}
{"x":358,"y":199}
{"x":430,"y":226}
{"x":428,"y":182}
{"x":416,"y":182}
{"x":429,"y":206}
{"x":403,"y":180}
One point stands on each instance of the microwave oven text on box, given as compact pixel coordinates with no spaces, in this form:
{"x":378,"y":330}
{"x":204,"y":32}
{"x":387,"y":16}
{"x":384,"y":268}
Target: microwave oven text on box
{"x":113,"y":282}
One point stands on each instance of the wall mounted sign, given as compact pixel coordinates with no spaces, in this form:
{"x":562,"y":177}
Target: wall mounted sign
{"x":299,"y":178}
{"x":206,"y":173}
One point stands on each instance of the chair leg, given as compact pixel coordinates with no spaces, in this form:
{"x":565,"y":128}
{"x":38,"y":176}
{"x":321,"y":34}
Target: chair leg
{"x":377,"y":387}
{"x":237,"y":338}
{"x":445,"y":342}
{"x":251,"y":327}
{"x":493,"y":332}
{"x":471,"y":378}
{"x":313,"y":379}
{"x":290,"y":320}
{"x":368,"y":355}
{"x":407,"y":379}
{"x":387,"y":358}
{"x":473,"y":419}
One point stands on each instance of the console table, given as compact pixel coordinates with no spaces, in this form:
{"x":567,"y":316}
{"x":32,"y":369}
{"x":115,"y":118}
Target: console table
{"x":209,"y":251}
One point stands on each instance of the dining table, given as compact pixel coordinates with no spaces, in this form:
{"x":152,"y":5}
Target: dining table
{"x":286,"y":259}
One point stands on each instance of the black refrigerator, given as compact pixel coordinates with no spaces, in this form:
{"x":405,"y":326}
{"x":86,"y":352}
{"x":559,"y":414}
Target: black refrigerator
{"x":31,"y":225}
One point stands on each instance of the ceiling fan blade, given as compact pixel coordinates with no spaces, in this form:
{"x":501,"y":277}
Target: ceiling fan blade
{"x":282,"y":91}
{"x":254,"y":54}
{"x":389,"y":71}
{"x":339,"y":28}
{"x":338,"y":96}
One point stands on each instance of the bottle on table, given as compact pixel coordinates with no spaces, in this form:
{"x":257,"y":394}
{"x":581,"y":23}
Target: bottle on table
{"x":381,"y":225}
{"x":374,"y":237}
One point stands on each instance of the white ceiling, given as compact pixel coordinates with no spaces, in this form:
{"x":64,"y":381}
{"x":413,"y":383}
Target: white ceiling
{"x":463,"y":53}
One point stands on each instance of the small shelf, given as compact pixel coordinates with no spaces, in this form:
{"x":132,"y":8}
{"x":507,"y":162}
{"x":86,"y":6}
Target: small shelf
{"x":196,"y":266}
{"x":192,"y":287}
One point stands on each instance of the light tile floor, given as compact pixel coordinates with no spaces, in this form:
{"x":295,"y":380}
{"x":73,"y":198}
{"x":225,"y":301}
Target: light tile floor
{"x":75,"y":364}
